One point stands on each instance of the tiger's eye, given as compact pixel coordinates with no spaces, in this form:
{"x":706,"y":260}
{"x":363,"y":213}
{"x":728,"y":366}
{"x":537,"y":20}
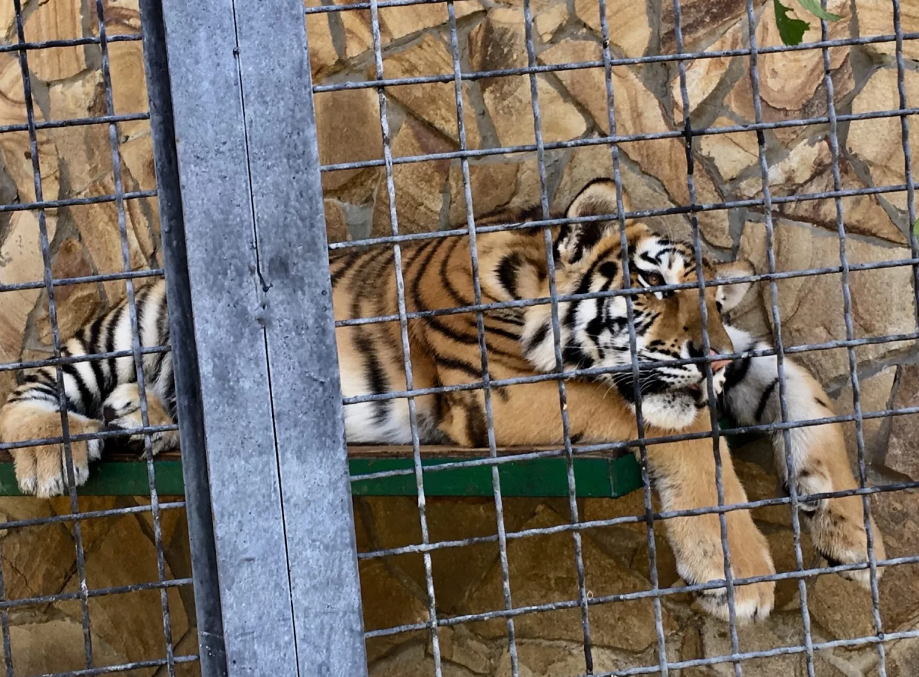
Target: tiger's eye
{"x":654,"y":279}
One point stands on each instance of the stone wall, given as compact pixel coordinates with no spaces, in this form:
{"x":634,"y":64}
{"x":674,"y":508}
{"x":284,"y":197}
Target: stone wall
{"x":76,"y":162}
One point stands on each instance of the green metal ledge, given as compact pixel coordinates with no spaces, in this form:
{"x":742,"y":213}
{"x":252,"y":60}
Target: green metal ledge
{"x":595,"y":476}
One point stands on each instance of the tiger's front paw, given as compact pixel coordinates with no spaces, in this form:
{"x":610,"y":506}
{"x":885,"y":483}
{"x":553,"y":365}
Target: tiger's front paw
{"x":43,"y":472}
{"x":838,"y":533}
{"x":122,"y":411}
{"x":703,"y":562}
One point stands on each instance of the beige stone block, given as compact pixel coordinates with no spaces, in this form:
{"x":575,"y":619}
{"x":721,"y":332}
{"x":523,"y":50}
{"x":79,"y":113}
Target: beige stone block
{"x":841,"y":607}
{"x":702,"y":22}
{"x":536,"y":579}
{"x":348,"y":128}
{"x":637,"y":112}
{"x":499,"y":43}
{"x":91,"y":530}
{"x":902,"y":658}
{"x":435,"y":103}
{"x":419,"y":186}
{"x":358,"y":36}
{"x":897,"y":517}
{"x":874,"y":394}
{"x":789,"y":79}
{"x":704,"y":75}
{"x":781,"y":629}
{"x":462,"y":647}
{"x":510,"y":107}
{"x":121,"y":17}
{"x":627,"y":22}
{"x":904,"y":430}
{"x":12,"y":98}
{"x":20,"y":261}
{"x":808,"y":169}
{"x":37,"y":560}
{"x":8,"y":19}
{"x":732,"y":153}
{"x":876,"y":18}
{"x":132,"y":623}
{"x":811,"y":308}
{"x":402,"y":21}
{"x":323,"y":54}
{"x":493,"y":185}
{"x":56,"y":645}
{"x":792,"y":83}
{"x":879,"y":142}
{"x":412,"y":660}
{"x":713,"y":225}
{"x":49,"y":21}
{"x":549,"y":21}
{"x":563,"y":659}
{"x":100,"y":234}
{"x":75,"y":304}
{"x":138,"y":169}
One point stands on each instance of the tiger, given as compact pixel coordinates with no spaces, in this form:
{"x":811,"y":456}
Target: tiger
{"x":523,"y":349}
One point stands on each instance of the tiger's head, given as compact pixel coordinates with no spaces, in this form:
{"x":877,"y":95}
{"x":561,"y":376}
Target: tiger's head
{"x":668,"y":323}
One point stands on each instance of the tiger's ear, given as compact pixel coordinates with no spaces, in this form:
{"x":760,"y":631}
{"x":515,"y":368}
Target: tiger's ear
{"x":575,"y":240}
{"x":730,"y":295}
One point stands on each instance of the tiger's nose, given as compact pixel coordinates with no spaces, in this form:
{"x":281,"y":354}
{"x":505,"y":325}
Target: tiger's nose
{"x":718,"y":364}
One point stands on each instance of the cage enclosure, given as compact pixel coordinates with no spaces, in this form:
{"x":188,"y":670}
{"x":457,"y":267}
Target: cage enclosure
{"x":316,"y":190}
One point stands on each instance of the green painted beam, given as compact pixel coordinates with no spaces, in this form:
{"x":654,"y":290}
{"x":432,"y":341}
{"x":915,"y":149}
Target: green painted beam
{"x":595,"y":477}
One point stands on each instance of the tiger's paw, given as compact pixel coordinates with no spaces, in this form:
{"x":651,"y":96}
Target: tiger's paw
{"x":122,"y":411}
{"x":703,"y":562}
{"x":42,"y":471}
{"x":838,"y":533}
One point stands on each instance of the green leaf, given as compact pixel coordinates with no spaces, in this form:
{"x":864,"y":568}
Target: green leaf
{"x":916,"y":227}
{"x":791,"y":30}
{"x":814,"y":8}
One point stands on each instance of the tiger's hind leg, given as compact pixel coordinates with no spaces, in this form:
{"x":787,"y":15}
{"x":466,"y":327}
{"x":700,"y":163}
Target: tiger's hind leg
{"x":820,"y":463}
{"x":837,"y":525}
{"x":42,"y":470}
{"x":121,"y":411}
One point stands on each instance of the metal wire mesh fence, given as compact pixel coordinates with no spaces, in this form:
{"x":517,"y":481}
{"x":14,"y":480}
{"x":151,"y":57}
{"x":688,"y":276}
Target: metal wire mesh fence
{"x":128,"y":578}
{"x":366,"y":50}
{"x":823,"y":116}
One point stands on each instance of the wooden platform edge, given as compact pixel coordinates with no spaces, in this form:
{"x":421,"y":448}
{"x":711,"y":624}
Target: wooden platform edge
{"x":596,"y":476}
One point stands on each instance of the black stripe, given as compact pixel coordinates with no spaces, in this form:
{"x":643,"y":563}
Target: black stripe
{"x":92,"y":347}
{"x":574,"y":356}
{"x":508,"y":270}
{"x":379,"y":382}
{"x":736,"y":372}
{"x":86,"y":397}
{"x":110,"y":342}
{"x":476,"y":429}
{"x":764,"y":399}
{"x":436,"y":324}
{"x":347,"y":263}
{"x":538,"y":337}
{"x":458,"y":300}
{"x":162,"y":337}
{"x":513,"y":336}
{"x":458,"y":365}
{"x":41,"y":377}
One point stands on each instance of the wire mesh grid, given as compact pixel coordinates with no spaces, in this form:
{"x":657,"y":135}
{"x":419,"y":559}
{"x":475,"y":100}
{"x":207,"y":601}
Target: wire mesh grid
{"x":690,"y":135}
{"x":91,"y":596}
